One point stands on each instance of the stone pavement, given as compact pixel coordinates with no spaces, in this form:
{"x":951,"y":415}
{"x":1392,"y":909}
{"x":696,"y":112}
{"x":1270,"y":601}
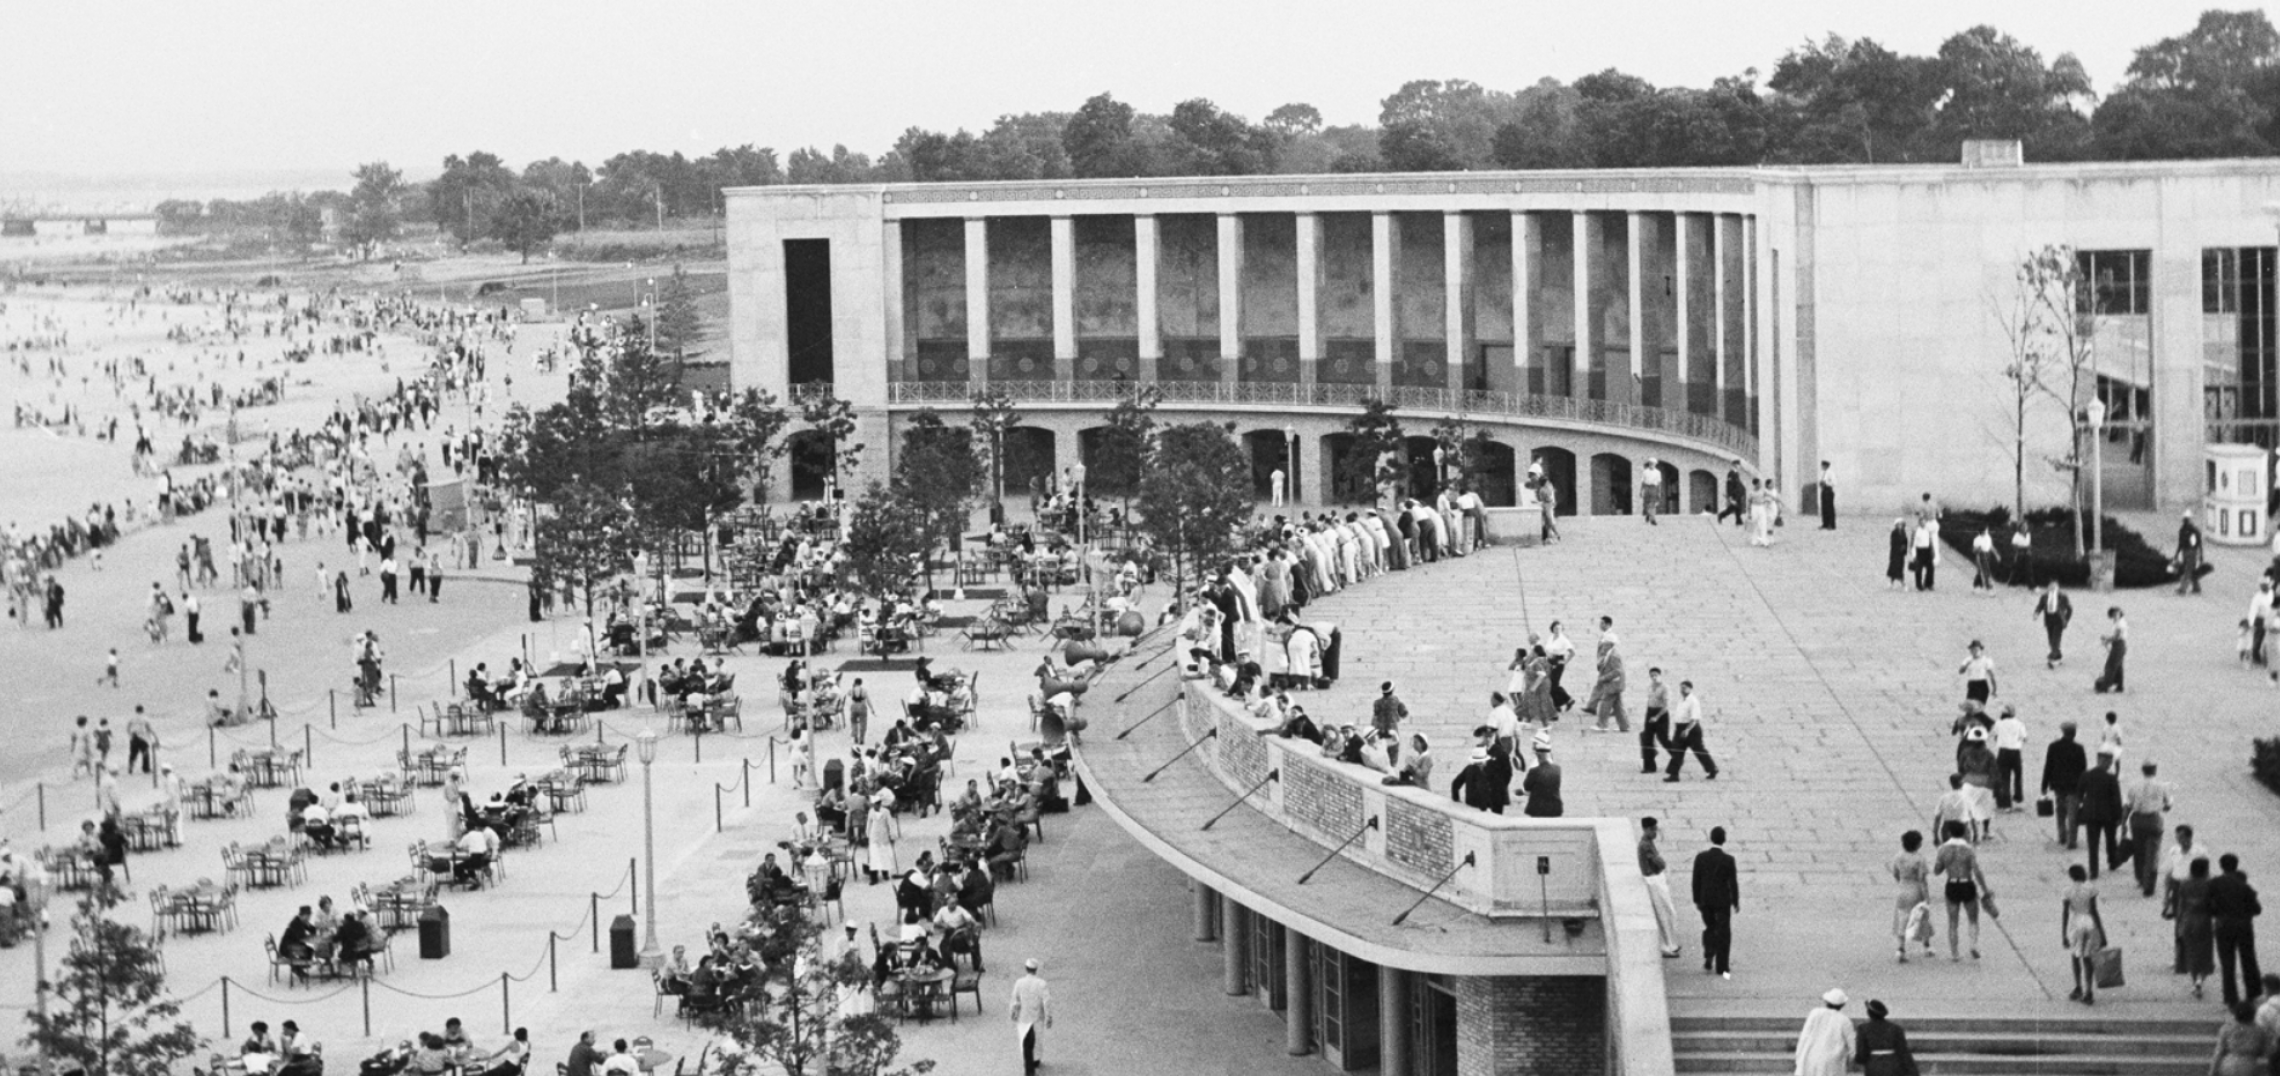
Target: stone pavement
{"x":1828,"y":701}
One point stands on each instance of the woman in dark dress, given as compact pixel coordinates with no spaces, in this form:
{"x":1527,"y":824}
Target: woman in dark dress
{"x":1896,"y":563}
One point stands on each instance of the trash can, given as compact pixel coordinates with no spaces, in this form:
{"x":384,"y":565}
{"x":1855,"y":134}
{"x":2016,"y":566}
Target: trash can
{"x":623,"y":952}
{"x":435,"y":933}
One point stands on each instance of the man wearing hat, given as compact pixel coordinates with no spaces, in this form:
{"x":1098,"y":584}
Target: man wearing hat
{"x":2188,"y":554}
{"x":1825,"y":1047}
{"x":1387,"y":713}
{"x":2101,"y":812}
{"x":1032,"y":1005}
{"x":1883,"y":1046}
{"x":1542,"y":785}
{"x":2063,"y":763}
{"x":1485,"y":783}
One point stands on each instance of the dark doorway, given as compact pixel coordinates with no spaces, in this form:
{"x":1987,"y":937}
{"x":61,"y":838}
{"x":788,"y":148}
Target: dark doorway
{"x":1493,"y":477}
{"x":1271,"y":451}
{"x":1029,"y":456}
{"x":1435,"y":1026}
{"x":814,"y":456}
{"x":1346,"y":486}
{"x":1559,"y":466}
{"x":1424,"y":474}
{"x":807,"y":310}
{"x":1702,"y":491}
{"x":1610,"y":485}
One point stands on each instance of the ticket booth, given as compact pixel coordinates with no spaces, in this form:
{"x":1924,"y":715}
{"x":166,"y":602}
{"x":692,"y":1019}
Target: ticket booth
{"x":2239,"y":479}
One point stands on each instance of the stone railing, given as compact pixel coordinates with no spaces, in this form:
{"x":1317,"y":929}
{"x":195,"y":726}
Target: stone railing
{"x":1571,"y":869}
{"x":1437,"y":184}
{"x":1724,"y":436}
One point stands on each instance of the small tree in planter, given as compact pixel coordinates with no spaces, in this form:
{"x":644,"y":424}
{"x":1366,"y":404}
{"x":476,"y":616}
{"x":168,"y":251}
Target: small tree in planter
{"x":109,"y":1013}
{"x":807,"y":1026}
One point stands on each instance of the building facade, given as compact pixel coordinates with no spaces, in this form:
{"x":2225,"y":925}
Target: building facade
{"x":1590,"y":320}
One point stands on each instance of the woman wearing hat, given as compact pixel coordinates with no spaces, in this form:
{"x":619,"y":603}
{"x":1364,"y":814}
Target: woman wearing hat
{"x":1883,"y":1045}
{"x":1825,"y":1046}
{"x":1975,"y":760}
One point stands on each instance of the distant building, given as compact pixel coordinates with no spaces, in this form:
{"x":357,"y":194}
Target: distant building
{"x":19,"y":225}
{"x":1779,"y":316}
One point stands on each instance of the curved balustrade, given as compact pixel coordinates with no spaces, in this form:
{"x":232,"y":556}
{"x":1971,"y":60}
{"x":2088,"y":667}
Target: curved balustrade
{"x":1728,"y":438}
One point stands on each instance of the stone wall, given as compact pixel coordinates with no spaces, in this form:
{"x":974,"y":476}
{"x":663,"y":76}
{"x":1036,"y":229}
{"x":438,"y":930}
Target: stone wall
{"x":1418,"y":837}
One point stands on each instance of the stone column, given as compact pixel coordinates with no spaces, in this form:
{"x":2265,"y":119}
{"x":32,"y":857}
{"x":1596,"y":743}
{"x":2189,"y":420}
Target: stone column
{"x":899,"y":349}
{"x":1234,"y":945}
{"x":1583,"y":238}
{"x":1309,"y":298}
{"x":1206,"y":912}
{"x":1527,"y":240}
{"x":1298,"y":997}
{"x":1393,"y":1022}
{"x":1456,"y":280}
{"x":1718,"y":308}
{"x":1385,"y":238}
{"x":1749,"y":322}
{"x":1064,"y":298}
{"x":1144,"y":308}
{"x":1230,"y":298}
{"x":978,"y":300}
{"x":1634,"y":240}
{"x":1678,"y":397}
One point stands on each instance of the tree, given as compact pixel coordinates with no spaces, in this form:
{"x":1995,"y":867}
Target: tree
{"x":1195,"y":495}
{"x":2057,"y":322}
{"x":679,"y":479}
{"x":755,"y":421}
{"x":803,"y":1029}
{"x":2210,"y":92}
{"x":1098,"y":140}
{"x":527,"y":220}
{"x":1433,"y":126}
{"x":1857,"y":102}
{"x":587,"y":540}
{"x":936,"y":476}
{"x":1546,"y":130}
{"x":1120,"y":453}
{"x":462,"y":199}
{"x":835,"y":418}
{"x":1294,"y":119}
{"x":374,"y":214}
{"x":1999,"y":88}
{"x":994,"y":415}
{"x":679,"y":325}
{"x":110,"y":1014}
{"x":886,"y":540}
{"x":641,"y":379}
{"x":1373,"y":463}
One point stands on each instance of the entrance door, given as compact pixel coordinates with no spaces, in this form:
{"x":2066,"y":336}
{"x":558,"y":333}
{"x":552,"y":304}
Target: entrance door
{"x":1267,"y":979}
{"x":1345,"y":1008}
{"x":1435,"y":1029}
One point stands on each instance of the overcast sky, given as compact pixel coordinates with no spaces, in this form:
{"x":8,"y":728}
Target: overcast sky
{"x":162,"y":86}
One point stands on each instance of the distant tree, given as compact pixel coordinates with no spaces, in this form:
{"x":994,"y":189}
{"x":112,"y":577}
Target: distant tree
{"x":1856,"y":102}
{"x":995,"y":415}
{"x":1433,"y":126}
{"x":180,"y":216}
{"x":835,"y":418}
{"x":1999,"y":88}
{"x":587,"y":539}
{"x":679,"y":479}
{"x":640,"y":379}
{"x":1098,"y":140}
{"x":806,"y":1029}
{"x":887,"y":538}
{"x":841,"y":165}
{"x":937,"y":474}
{"x":110,"y":1014}
{"x":1194,"y":497}
{"x":1373,"y":464}
{"x":756,"y":422}
{"x":1546,"y":130}
{"x":1120,"y":451}
{"x":567,"y":182}
{"x":375,"y":214}
{"x":527,"y":220}
{"x":1294,"y":119}
{"x":2213,"y":91}
{"x":462,"y":199}
{"x":679,"y":324}
{"x":1210,"y":142}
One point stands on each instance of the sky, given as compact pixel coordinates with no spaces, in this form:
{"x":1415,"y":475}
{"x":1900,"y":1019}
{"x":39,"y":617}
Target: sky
{"x":162,"y":93}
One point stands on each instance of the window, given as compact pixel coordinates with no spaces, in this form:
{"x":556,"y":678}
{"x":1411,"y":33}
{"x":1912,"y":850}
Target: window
{"x":2114,"y":281}
{"x":2220,"y":281}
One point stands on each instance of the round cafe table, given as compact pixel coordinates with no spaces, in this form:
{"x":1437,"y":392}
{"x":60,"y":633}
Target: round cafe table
{"x":924,"y":988}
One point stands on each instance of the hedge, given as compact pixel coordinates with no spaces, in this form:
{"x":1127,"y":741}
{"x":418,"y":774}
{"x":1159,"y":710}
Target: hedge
{"x":2050,"y":550}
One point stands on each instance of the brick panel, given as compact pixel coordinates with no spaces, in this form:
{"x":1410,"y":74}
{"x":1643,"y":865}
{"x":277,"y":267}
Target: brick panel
{"x":1315,"y":796}
{"x":1417,"y":837}
{"x":1241,"y":751}
{"x":1524,"y":1026}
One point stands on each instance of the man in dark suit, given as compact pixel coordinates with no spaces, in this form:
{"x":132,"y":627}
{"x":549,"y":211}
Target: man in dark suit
{"x":2063,"y":765}
{"x":2101,"y":814}
{"x":1717,"y":895}
{"x":2233,"y":909}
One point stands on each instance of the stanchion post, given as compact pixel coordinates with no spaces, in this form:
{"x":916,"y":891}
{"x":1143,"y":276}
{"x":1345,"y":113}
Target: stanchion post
{"x":210,"y":746}
{"x":332,"y":707}
{"x":716,"y":809}
{"x":407,"y":727}
{"x":272,"y":719}
{"x":594,"y":916}
{"x":451,"y":686}
{"x":700,"y":745}
{"x":41,"y":788}
{"x":747,"y":780}
{"x":365,"y":984}
{"x":632,"y":886}
{"x":309,"y":744}
{"x":225,"y":1006}
{"x":771,"y":760}
{"x":506,"y":1008}
{"x":553,"y":986}
{"x":391,"y":693}
{"x":502,"y":743}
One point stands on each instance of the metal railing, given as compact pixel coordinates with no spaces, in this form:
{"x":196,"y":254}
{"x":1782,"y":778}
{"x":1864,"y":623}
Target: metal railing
{"x":1727,"y":437}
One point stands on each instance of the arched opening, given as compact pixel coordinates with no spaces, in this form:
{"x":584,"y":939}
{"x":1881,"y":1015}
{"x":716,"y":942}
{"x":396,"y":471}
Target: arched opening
{"x":1271,"y":451}
{"x":1610,"y":485}
{"x":1701,"y":491}
{"x":1029,"y":462}
{"x":1668,"y":490}
{"x":1493,"y":476}
{"x":1346,"y":487}
{"x":813,"y":456}
{"x":1423,"y":475}
{"x":1559,"y":466}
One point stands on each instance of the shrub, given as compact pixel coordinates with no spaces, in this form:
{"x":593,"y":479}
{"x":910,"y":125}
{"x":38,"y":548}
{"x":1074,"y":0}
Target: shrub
{"x":2050,"y":550}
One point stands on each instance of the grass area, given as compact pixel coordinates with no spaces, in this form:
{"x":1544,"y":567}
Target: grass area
{"x":679,"y":239}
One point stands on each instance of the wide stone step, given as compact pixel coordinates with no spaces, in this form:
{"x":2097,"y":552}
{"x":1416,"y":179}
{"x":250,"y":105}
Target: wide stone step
{"x":2008,"y":1027}
{"x":1967,"y":1064}
{"x":1924,"y":1040}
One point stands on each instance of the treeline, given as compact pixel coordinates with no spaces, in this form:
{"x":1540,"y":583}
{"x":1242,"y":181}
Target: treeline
{"x":2213,"y":91}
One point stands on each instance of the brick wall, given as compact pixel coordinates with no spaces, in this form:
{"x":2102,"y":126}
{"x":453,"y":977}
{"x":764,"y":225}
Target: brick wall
{"x":1536,"y":1026}
{"x":1319,"y":798}
{"x":1417,"y":836}
{"x":1241,"y":751}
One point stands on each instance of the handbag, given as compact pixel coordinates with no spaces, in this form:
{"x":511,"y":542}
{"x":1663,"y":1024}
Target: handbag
{"x":2106,"y":964}
{"x":2045,"y":807}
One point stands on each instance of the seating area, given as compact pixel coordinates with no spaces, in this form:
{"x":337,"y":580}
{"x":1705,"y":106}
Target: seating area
{"x":197,"y":909}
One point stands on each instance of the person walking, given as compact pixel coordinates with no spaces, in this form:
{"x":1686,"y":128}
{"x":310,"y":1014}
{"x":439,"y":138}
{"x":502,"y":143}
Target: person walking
{"x":1686,"y":735}
{"x":2082,"y":931}
{"x":2101,"y":813}
{"x":1717,"y":896}
{"x":2233,"y":909}
{"x":1654,"y":732}
{"x":2189,"y":554}
{"x":1657,"y":874}
{"x":1912,"y":905}
{"x":1737,"y":496}
{"x":2196,"y":929}
{"x":1978,"y":672}
{"x":2010,"y":739}
{"x":2259,"y":619}
{"x":1828,"y":498}
{"x":142,"y":741}
{"x":1542,"y":784}
{"x":2243,"y":1046}
{"x":1983,"y":562}
{"x":1965,"y":885}
{"x":1896,"y":559}
{"x":1387,"y":713}
{"x":2117,"y":640}
{"x":1650,"y":490}
{"x":1924,"y":552}
{"x":1607,"y":691}
{"x":1883,"y":1045}
{"x":1825,"y":1045}
{"x":1030,"y":1007}
{"x":2055,"y":612}
{"x":2148,"y":802}
{"x":2063,"y":765}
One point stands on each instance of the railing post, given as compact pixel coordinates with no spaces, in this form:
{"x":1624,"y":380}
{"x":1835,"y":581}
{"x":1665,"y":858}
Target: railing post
{"x":210,"y":755}
{"x":502,"y":743}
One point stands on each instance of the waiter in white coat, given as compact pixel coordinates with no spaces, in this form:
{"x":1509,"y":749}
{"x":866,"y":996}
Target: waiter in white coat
{"x":1032,"y":1005}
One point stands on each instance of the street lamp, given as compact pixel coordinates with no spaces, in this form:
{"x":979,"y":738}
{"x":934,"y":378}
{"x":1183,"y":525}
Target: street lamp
{"x":646,"y":741}
{"x":1290,"y":463}
{"x":2096,"y":413}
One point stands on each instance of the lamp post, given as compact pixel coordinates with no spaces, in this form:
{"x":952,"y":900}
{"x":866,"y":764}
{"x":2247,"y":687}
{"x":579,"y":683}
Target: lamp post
{"x":1290,"y":464}
{"x":2096,"y":413}
{"x":646,"y":741}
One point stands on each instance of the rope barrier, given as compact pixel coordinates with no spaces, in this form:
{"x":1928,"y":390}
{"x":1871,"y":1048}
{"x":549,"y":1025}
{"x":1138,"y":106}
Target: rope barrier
{"x":209,"y":987}
{"x":300,"y":1001}
{"x":487,"y":984}
{"x":391,"y":734}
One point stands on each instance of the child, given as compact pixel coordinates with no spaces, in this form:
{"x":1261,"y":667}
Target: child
{"x":2241,"y":643}
{"x":2112,"y":736}
{"x":110,"y":669}
{"x":82,"y":748}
